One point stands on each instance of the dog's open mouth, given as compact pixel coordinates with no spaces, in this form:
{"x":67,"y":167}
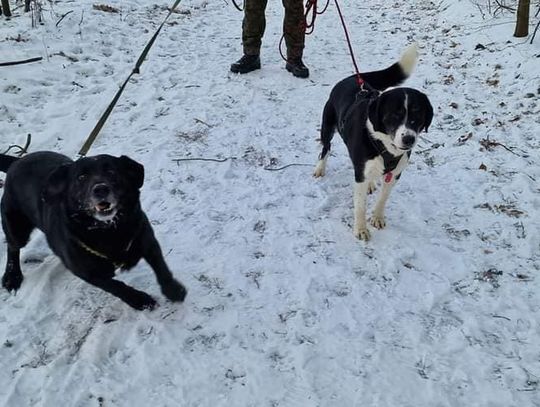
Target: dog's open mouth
{"x":104,"y":211}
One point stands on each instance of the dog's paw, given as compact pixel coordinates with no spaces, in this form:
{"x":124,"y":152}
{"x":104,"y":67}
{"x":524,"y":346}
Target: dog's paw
{"x":174,"y":291}
{"x":320,"y":169}
{"x":318,"y":173}
{"x":378,"y":222}
{"x":142,"y":301}
{"x":11,"y":280}
{"x":371,"y":187}
{"x":362,"y":233}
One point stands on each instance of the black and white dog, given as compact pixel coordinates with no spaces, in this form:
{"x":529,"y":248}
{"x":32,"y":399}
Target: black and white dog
{"x":90,"y":213}
{"x":380,"y":126}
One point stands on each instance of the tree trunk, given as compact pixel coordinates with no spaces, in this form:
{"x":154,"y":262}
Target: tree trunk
{"x":522,"y":23}
{"x":5,"y":8}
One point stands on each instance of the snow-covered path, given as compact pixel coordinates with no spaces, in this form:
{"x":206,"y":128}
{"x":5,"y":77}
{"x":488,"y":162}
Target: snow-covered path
{"x":285,"y":306}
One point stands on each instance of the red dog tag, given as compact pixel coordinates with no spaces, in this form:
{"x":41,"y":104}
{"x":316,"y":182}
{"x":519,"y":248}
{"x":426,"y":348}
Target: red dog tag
{"x":388,"y":177}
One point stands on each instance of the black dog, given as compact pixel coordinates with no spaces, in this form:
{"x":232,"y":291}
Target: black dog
{"x":380,"y":126}
{"x":90,"y":213}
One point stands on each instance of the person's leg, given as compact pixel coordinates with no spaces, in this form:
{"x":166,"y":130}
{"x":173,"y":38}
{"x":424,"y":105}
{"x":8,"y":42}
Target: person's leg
{"x":253,"y":27}
{"x":293,"y":28}
{"x":294,"y":32}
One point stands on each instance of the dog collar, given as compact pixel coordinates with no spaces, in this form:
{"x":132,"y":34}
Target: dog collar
{"x":390,"y":161}
{"x":117,"y":265}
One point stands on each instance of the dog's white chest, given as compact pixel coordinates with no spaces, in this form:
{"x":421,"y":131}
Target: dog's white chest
{"x":374,"y":168}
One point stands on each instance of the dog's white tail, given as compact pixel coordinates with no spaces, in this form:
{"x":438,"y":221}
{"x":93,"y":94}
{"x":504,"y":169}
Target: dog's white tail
{"x":408,"y":59}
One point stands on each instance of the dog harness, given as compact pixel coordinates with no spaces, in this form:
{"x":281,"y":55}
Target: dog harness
{"x":390,"y":161}
{"x":363,"y":96}
{"x":117,"y":265}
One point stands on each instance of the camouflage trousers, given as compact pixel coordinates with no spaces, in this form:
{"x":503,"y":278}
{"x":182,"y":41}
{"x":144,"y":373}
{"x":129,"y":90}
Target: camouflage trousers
{"x":254,"y":24}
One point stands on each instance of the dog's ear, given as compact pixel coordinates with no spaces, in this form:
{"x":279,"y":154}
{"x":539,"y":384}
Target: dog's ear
{"x":56,"y":184}
{"x":428,"y":112}
{"x":133,"y":170}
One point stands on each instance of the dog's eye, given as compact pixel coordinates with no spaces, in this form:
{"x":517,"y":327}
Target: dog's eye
{"x":81,"y":177}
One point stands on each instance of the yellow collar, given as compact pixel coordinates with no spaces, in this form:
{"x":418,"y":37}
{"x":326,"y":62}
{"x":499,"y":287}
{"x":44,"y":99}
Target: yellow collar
{"x":101,"y":255}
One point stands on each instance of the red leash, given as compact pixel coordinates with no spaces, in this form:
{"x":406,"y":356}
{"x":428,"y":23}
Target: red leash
{"x":359,"y":79}
{"x":311,"y":8}
{"x":310,"y":15}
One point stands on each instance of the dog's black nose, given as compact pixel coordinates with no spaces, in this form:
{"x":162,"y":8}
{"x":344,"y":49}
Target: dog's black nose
{"x":408,"y":141}
{"x":101,"y":191}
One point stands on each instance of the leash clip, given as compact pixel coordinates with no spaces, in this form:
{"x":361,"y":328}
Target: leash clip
{"x":367,"y":92}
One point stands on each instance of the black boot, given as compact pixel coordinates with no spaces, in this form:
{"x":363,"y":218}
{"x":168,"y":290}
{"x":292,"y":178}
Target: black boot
{"x":297,"y":68}
{"x":246,"y":64}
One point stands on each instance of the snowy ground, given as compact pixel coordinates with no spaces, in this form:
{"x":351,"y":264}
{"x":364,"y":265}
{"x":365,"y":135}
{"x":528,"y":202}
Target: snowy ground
{"x":285,"y":306}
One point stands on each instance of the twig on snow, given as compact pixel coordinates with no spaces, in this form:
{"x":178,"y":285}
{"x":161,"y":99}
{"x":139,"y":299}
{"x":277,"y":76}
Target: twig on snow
{"x":222,"y":160}
{"x":535,"y":30}
{"x":217,"y":160}
{"x":24,"y":61}
{"x":203,"y":122}
{"x":500,"y":316}
{"x":268,"y":168}
{"x":489,"y":144}
{"x":502,"y":6}
{"x":481,"y":11}
{"x":61,"y":18}
{"x":80,"y":22}
{"x":21,"y":149}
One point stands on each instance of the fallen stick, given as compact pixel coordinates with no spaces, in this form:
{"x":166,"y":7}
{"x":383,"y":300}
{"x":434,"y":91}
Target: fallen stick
{"x":24,"y":61}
